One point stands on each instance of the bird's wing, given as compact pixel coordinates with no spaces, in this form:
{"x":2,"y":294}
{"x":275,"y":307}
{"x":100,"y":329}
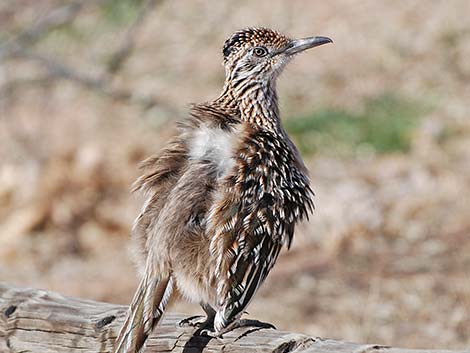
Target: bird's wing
{"x":252,"y":218}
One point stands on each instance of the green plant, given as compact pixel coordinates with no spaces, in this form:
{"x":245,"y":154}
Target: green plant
{"x":384,"y":125}
{"x":120,"y":12}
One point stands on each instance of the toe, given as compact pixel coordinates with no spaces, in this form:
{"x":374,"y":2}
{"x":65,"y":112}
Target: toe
{"x":189,"y":321}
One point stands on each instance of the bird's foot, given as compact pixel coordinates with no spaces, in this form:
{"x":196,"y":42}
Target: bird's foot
{"x":237,"y":324}
{"x":200,"y":322}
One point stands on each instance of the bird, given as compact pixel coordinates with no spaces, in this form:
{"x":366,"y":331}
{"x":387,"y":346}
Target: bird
{"x":222,"y":197}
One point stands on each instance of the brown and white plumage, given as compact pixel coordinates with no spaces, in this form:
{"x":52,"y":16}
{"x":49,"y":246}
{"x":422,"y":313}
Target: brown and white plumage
{"x":223,"y":197}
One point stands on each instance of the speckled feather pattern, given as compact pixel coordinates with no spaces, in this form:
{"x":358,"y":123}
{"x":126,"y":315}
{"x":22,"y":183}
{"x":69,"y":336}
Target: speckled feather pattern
{"x":253,"y":37}
{"x":223,"y":197}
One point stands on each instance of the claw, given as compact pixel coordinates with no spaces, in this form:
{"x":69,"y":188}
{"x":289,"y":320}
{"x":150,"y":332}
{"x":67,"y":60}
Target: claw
{"x":189,"y":321}
{"x":211,"y":333}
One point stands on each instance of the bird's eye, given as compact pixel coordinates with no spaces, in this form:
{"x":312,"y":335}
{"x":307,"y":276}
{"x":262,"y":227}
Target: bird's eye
{"x":261,"y":51}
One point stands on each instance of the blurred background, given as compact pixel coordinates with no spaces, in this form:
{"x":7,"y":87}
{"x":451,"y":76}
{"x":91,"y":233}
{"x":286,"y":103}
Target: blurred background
{"x":382,"y":117}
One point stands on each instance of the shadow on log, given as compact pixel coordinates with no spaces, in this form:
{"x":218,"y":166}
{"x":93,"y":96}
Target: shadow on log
{"x":33,"y":320}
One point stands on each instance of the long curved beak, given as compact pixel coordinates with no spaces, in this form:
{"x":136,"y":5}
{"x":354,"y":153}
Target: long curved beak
{"x":298,"y":45}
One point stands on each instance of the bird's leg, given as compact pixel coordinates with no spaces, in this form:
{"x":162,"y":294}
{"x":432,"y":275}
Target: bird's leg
{"x":237,"y":324}
{"x":196,"y":321}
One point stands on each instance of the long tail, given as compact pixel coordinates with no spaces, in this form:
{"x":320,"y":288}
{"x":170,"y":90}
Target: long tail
{"x":145,"y":311}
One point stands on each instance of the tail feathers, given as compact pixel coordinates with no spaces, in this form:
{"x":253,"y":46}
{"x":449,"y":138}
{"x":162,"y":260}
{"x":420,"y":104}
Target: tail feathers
{"x":145,"y":311}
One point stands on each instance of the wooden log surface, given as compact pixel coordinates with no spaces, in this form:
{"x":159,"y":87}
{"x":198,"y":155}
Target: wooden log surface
{"x":33,"y":320}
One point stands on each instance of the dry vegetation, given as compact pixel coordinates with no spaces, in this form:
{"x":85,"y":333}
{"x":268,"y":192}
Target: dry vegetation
{"x":383,"y":119}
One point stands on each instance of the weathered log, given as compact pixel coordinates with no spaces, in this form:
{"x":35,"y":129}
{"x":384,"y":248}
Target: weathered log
{"x":33,"y":320}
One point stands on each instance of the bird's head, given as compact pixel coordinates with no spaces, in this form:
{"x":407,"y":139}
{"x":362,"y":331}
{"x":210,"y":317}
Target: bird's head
{"x":260,"y":54}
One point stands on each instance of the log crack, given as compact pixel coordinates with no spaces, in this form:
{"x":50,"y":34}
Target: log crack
{"x":294,"y":345}
{"x":10,"y":310}
{"x":105,"y":321}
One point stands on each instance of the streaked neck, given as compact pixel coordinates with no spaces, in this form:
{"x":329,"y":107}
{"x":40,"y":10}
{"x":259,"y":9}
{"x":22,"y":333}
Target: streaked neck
{"x":256,"y":101}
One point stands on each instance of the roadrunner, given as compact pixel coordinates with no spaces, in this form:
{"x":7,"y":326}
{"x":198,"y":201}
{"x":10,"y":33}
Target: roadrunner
{"x":223,"y":197}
